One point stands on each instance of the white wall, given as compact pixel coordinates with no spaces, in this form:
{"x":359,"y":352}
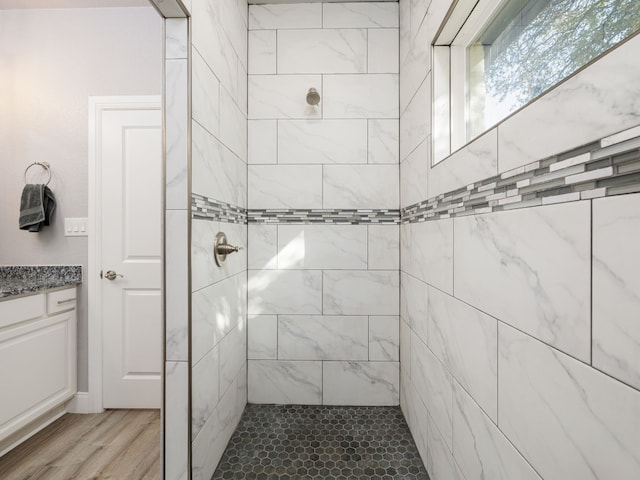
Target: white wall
{"x":323,"y":298}
{"x":50,"y":62}
{"x":518,"y":352}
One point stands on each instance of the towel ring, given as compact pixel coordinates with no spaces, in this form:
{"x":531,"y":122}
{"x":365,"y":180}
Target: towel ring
{"x":44,"y":165}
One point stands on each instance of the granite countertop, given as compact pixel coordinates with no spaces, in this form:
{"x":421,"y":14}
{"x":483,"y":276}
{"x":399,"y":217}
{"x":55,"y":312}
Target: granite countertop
{"x":21,"y":280}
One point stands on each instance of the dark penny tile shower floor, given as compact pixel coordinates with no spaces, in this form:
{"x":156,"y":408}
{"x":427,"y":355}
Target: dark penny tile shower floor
{"x":315,"y":442}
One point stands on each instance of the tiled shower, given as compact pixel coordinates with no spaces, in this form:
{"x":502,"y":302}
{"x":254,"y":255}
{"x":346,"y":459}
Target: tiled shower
{"x":493,"y":296}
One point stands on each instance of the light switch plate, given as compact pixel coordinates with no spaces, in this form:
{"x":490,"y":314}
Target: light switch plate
{"x":75,"y":227}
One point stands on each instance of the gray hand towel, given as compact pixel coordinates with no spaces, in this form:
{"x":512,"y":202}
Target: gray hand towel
{"x":37,"y":205}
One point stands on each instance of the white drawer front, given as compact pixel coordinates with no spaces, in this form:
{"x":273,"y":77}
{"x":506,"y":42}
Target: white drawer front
{"x":18,"y":310}
{"x":61,"y":300}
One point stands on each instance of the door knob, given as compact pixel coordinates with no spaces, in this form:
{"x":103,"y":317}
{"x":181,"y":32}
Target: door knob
{"x":110,"y":275}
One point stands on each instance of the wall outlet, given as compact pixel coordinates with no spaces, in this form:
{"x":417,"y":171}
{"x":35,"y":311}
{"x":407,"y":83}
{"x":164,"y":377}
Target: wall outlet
{"x":75,"y":227}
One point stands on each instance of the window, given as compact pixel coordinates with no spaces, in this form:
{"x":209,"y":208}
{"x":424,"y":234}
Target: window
{"x":493,"y":57}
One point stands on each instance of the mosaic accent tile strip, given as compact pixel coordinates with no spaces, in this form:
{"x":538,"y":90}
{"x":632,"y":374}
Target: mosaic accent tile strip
{"x":295,"y":442}
{"x":608,"y":167}
{"x":325,"y":216}
{"x":19,"y":279}
{"x":204,"y":208}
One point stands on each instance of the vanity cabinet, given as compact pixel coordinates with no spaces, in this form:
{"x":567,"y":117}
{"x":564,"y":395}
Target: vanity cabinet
{"x":37,"y":362}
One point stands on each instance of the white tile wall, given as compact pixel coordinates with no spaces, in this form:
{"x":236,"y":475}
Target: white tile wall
{"x":616,"y":287}
{"x":501,"y":269}
{"x":285,"y":382}
{"x":283,"y":96}
{"x":218,"y":171}
{"x":322,"y":246}
{"x":541,"y":364}
{"x":285,"y":186}
{"x":360,"y":383}
{"x":305,"y":337}
{"x":327,"y":293}
{"x":322,"y":51}
{"x":569,"y":420}
{"x":355,"y":186}
{"x":361,"y":96}
{"x":322,"y":141}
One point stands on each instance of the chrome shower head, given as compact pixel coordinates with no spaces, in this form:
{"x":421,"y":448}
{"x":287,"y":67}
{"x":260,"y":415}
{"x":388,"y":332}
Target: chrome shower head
{"x":313,"y":97}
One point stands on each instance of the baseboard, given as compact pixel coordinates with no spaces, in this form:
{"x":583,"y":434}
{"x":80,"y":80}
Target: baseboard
{"x":79,"y":403}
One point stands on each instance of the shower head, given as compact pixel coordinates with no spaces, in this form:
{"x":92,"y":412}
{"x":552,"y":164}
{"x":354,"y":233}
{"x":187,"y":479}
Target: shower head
{"x":313,"y":97}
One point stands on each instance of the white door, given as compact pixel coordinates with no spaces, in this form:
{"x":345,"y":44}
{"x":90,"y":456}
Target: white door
{"x":131,"y":243}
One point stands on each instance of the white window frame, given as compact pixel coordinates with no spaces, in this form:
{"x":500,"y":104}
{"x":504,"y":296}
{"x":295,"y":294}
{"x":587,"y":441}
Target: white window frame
{"x":449,"y":74}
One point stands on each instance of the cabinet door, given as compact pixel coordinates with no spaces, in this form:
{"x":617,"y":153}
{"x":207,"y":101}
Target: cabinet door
{"x":38,"y":369}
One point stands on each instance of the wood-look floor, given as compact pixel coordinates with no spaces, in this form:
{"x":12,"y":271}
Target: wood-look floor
{"x":116,"y":444}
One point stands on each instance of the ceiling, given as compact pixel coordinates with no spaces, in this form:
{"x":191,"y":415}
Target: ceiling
{"x":26,"y":4}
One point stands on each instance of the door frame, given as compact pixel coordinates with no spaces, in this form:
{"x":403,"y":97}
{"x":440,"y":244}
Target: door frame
{"x":98,"y":105}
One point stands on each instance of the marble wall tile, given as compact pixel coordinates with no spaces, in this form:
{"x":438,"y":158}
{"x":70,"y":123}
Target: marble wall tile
{"x":360,"y":96}
{"x":285,"y":16}
{"x":285,"y":186}
{"x":357,"y":292}
{"x":233,"y":126}
{"x":263,"y":247}
{"x":204,"y":389}
{"x":233,"y":354}
{"x":480,"y":448}
{"x":262,"y":343}
{"x":322,"y":141}
{"x":383,"y":247}
{"x":263,"y":141}
{"x":176,"y":33}
{"x":209,"y":39}
{"x":212,"y":440}
{"x":414,"y":304}
{"x":262,"y":51}
{"x":284,"y":382}
{"x":531,"y":269}
{"x":415,"y":121}
{"x":283,"y":96}
{"x":317,"y":337}
{"x":415,"y":55}
{"x":216,"y":171}
{"x":466,"y":342}
{"x":476,"y":161}
{"x":203,"y":325}
{"x":360,"y":15}
{"x":415,"y":414}
{"x":405,"y":349}
{"x":383,"y":50}
{"x":176,"y":269}
{"x":563,"y":415}
{"x":205,"y":95}
{"x":227,"y":300}
{"x":176,"y":408}
{"x":383,"y":144}
{"x":285,"y":292}
{"x":360,"y":186}
{"x":427,"y":252}
{"x":384,"y":338}
{"x":600,"y":100}
{"x":322,"y":246}
{"x":176,"y":118}
{"x":434,"y":386}
{"x":361,"y":383}
{"x":616,"y":287}
{"x":440,"y":462}
{"x":322,"y":51}
{"x":414,"y":172}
